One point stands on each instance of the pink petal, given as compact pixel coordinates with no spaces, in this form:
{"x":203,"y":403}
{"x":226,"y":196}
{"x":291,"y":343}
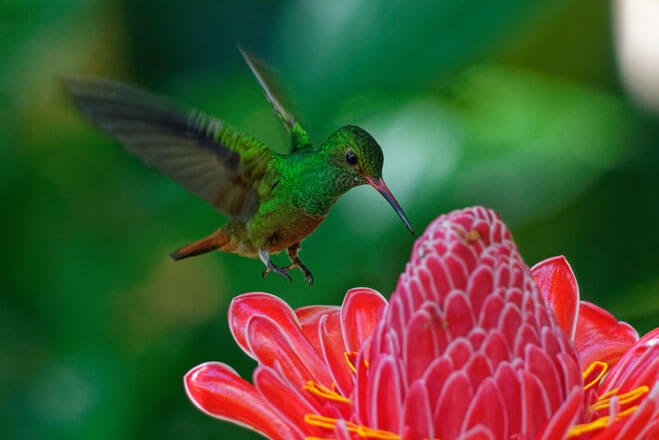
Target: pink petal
{"x":334,"y":350}
{"x":452,"y":406}
{"x":217,"y":390}
{"x":385,"y":390}
{"x":559,"y":287}
{"x":478,"y":433}
{"x":509,"y":384}
{"x":478,"y":368}
{"x":536,"y":409}
{"x":642,"y":423}
{"x":458,"y":314}
{"x":244,"y":306}
{"x":292,"y":355}
{"x":639,"y":366}
{"x":436,"y":376}
{"x":566,"y":415}
{"x":360,"y":314}
{"x":600,"y":337}
{"x":540,"y":365}
{"x":309,"y":318}
{"x":421,"y":345}
{"x":341,"y":431}
{"x":488,"y":410}
{"x":417,"y":414}
{"x":286,"y":400}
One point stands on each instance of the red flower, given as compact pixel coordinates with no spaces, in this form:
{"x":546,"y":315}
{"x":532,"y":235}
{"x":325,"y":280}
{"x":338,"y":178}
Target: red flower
{"x":606,"y":345}
{"x":466,"y":348}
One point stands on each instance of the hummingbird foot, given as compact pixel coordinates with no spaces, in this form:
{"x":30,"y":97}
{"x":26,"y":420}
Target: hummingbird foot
{"x":272,"y":267}
{"x":296,"y":262}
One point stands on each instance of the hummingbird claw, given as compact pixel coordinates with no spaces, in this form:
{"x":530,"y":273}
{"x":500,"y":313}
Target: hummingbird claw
{"x":271,"y":267}
{"x":296,"y":262}
{"x":308,"y":278}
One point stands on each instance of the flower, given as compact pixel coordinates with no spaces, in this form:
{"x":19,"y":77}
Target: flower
{"x":467,"y":347}
{"x":603,"y":343}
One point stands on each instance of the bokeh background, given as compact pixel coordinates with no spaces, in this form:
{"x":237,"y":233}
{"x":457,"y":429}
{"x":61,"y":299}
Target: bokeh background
{"x":515,"y":104}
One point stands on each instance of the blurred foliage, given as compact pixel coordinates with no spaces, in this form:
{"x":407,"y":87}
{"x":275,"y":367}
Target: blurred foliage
{"x":513,"y":104}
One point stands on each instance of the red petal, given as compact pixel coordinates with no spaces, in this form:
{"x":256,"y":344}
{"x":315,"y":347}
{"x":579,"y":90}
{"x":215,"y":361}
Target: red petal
{"x":488,"y":409}
{"x":341,"y":431}
{"x":478,"y":433}
{"x":286,"y":400}
{"x":478,"y":368}
{"x":436,"y":376}
{"x":386,"y":394}
{"x":559,"y":287}
{"x":218,"y":391}
{"x":360,"y":314}
{"x":290,"y":354}
{"x":334,"y":351}
{"x":452,"y":406}
{"x":421,"y":345}
{"x":642,"y":423}
{"x":458,"y":314}
{"x":309,"y":318}
{"x":540,"y":365}
{"x":600,"y":337}
{"x":243,"y":307}
{"x":639,"y":366}
{"x":417,"y":414}
{"x":535,"y":408}
{"x":508,"y":383}
{"x":564,"y":417}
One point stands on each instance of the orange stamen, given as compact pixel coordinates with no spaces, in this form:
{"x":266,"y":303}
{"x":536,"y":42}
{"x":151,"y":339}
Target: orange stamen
{"x":324,"y":392}
{"x":608,"y":394}
{"x":360,"y":430}
{"x":350,"y":355}
{"x":602,"y":366}
{"x":602,"y":422}
{"x":625,"y":398}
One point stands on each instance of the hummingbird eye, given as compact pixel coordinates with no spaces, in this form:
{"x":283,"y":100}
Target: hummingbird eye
{"x":351,"y":157}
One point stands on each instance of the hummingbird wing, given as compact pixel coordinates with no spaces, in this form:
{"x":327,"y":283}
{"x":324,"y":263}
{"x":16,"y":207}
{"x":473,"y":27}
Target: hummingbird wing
{"x":206,"y":155}
{"x":268,"y":82}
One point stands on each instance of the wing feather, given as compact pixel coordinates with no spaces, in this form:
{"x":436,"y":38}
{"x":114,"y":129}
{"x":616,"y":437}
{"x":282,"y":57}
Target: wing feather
{"x":205,"y":155}
{"x":272,"y":91}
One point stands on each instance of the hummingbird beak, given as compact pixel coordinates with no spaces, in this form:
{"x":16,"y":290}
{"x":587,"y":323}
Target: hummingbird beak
{"x":378,"y":183}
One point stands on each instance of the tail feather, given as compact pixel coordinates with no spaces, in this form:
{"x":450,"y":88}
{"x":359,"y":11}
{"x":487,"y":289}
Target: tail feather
{"x":203,"y":246}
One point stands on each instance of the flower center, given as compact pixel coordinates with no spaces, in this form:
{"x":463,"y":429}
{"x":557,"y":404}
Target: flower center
{"x":610,"y":400}
{"x":331,"y":394}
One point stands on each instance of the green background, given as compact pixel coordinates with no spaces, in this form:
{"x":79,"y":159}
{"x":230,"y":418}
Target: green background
{"x":513,"y":104}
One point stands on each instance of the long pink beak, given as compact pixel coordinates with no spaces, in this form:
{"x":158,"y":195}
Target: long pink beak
{"x":378,"y":183}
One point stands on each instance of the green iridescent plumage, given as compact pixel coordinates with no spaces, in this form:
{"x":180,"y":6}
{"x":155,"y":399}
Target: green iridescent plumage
{"x":273,"y":201}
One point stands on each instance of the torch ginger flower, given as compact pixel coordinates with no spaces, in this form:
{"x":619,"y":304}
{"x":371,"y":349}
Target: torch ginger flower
{"x":467,"y":347}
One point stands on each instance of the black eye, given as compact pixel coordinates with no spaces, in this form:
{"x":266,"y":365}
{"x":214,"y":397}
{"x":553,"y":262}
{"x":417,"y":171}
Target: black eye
{"x":351,"y":158}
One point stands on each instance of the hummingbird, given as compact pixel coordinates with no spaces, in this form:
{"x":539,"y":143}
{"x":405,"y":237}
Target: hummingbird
{"x":273,"y":201}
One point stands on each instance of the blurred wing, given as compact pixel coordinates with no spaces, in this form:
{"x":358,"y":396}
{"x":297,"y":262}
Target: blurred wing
{"x":207,"y":156}
{"x":272,"y":91}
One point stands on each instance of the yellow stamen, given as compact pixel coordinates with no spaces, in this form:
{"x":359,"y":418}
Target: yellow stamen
{"x":360,"y":430}
{"x":324,"y":392}
{"x":623,"y":399}
{"x":602,"y":366}
{"x":608,"y":394}
{"x":348,"y":355}
{"x":602,"y":422}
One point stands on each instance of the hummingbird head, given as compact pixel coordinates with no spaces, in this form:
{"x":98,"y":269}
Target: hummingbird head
{"x":359,"y":158}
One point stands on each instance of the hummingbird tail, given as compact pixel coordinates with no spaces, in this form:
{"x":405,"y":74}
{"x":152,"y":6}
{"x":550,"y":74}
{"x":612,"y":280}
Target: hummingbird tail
{"x":203,"y":246}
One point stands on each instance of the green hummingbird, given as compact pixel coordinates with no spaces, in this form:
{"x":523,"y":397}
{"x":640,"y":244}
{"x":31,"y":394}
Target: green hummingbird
{"x":273,"y":200}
